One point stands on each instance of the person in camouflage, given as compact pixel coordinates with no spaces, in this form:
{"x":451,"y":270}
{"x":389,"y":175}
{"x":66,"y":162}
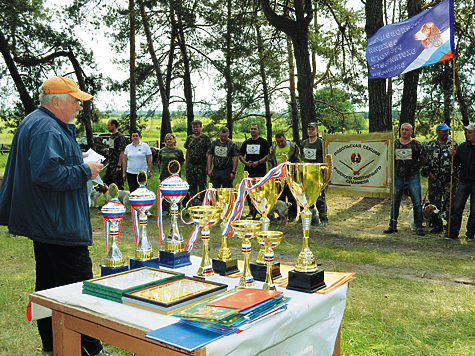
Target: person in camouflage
{"x":409,"y":156}
{"x":117,"y":144}
{"x":223,"y":154}
{"x":438,"y":170}
{"x":197,"y":146}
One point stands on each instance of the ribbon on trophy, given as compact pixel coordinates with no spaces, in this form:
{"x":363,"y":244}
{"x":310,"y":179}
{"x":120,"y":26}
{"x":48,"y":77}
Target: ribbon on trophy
{"x":208,"y":200}
{"x":275,"y":173}
{"x":107,"y":222}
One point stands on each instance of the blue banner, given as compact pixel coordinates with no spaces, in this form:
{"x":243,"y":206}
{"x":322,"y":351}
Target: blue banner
{"x":424,"y":39}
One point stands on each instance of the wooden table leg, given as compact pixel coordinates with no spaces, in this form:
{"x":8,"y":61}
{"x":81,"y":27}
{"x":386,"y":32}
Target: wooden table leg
{"x":66,"y":342}
{"x":337,"y":350}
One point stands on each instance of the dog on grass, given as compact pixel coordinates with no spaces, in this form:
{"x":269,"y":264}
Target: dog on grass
{"x":428,"y":210}
{"x":281,"y":209}
{"x":124,"y":195}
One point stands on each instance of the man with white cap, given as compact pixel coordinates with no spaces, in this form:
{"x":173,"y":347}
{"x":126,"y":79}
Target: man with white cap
{"x":44,"y":196}
{"x":438,"y":169}
{"x":464,"y":157}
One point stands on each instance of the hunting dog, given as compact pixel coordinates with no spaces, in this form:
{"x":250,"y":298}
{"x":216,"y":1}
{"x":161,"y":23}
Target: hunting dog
{"x":429,"y":35}
{"x":281,"y":208}
{"x":99,"y":189}
{"x":427,"y":211}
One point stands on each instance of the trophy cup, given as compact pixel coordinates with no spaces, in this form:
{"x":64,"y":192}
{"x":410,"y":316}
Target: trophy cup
{"x":113,"y":213}
{"x":306,"y":181}
{"x":245,"y":230}
{"x":263,"y":198}
{"x":269,"y":240}
{"x":224,"y":198}
{"x":205,"y":216}
{"x":142,"y":200}
{"x":174,"y":190}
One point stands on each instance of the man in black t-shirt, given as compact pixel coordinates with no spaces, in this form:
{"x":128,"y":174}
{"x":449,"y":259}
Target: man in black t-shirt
{"x":255,"y":149}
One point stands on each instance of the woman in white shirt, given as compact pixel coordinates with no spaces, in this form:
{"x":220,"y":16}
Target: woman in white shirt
{"x":137,"y":157}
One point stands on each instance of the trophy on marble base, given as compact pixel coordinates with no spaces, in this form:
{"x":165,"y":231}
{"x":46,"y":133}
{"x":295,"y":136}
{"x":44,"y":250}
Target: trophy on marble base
{"x":224,"y":264}
{"x":246,"y":230}
{"x":306,"y":181}
{"x":263,"y":198}
{"x":174,"y":190}
{"x":205,"y":216}
{"x":113,"y":213}
{"x":269,"y":240}
{"x":142,"y":200}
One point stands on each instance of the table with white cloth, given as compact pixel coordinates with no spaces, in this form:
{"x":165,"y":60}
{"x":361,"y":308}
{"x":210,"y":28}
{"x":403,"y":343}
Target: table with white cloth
{"x":310,"y":325}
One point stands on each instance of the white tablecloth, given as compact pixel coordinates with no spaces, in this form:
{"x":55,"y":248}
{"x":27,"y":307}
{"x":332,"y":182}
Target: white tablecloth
{"x":308,"y":327}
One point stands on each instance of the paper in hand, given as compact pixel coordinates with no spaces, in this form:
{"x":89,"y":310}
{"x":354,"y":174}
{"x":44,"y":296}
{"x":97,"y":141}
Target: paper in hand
{"x":93,"y":156}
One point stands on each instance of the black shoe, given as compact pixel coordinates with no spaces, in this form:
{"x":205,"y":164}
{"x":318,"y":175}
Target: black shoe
{"x":390,"y":230}
{"x":447,"y":237}
{"x":470,"y":239}
{"x":420,"y":232}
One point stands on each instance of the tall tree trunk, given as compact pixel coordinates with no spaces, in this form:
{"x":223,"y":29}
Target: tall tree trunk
{"x":156,"y":66}
{"x":411,"y":80}
{"x":379,"y":114}
{"x":133,"y":84}
{"x":265,"y":90}
{"x":25,"y":97}
{"x":86,"y":105}
{"x":227,"y":72}
{"x":461,"y":100}
{"x":188,"y":89}
{"x":293,"y":98}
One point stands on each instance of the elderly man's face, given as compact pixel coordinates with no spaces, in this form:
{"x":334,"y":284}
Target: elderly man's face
{"x":68,"y":109}
{"x":281,"y":142}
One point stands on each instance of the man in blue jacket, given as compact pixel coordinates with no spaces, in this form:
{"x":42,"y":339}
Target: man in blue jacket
{"x":44,"y":196}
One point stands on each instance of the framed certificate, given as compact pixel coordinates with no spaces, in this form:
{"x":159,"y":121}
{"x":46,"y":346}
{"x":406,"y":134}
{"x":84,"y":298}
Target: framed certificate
{"x":168,"y":296}
{"x":113,"y":286}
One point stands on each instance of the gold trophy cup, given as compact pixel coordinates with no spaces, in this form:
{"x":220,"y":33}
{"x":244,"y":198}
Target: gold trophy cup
{"x":269,"y":240}
{"x":263,"y":198}
{"x":245,"y":230}
{"x":306,"y":182}
{"x":224,"y":198}
{"x":205,"y":216}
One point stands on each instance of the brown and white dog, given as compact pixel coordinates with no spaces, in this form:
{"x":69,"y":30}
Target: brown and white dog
{"x":99,"y":189}
{"x":427,"y":211}
{"x":429,"y":35}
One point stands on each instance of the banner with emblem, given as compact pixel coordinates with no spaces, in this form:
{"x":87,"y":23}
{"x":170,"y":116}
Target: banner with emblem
{"x":362,"y":163}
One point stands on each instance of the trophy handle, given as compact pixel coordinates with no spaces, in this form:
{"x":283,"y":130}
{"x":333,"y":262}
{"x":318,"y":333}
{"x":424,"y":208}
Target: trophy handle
{"x":328,"y":168}
{"x":174,"y":162}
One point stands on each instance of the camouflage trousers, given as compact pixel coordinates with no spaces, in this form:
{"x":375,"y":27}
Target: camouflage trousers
{"x":439,"y":195}
{"x":196,"y":178}
{"x":112,"y":176}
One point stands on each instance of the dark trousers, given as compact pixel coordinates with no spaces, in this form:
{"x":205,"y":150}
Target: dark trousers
{"x":111,"y":176}
{"x":464,"y":190}
{"x":287,"y":195}
{"x":132,"y":181}
{"x":56,"y":266}
{"x":220,"y":178}
{"x":321,"y":206}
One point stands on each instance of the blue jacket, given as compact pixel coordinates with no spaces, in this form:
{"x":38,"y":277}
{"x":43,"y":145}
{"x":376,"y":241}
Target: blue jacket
{"x":43,"y":194}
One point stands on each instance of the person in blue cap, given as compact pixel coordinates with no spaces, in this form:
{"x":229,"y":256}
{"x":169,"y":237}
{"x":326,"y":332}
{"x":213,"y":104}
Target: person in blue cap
{"x":438,"y":170}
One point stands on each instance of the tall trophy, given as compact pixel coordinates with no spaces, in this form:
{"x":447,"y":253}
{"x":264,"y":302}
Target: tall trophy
{"x":113,"y":213}
{"x":205,"y":216}
{"x":142,"y":200}
{"x":174,"y":190}
{"x":306,"y":181}
{"x":224,"y":198}
{"x":263,"y":198}
{"x":269,"y":240}
{"x":246,"y":230}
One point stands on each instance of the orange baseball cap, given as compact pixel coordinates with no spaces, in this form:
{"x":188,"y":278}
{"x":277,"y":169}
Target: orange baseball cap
{"x":61,"y":85}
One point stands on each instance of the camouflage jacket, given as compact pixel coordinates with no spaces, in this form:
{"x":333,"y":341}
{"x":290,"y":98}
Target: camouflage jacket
{"x":117,"y":144}
{"x":439,"y":160}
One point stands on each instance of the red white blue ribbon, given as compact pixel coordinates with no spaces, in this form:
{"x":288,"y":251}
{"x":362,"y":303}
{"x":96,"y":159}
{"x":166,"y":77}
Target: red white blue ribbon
{"x":277,"y":172}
